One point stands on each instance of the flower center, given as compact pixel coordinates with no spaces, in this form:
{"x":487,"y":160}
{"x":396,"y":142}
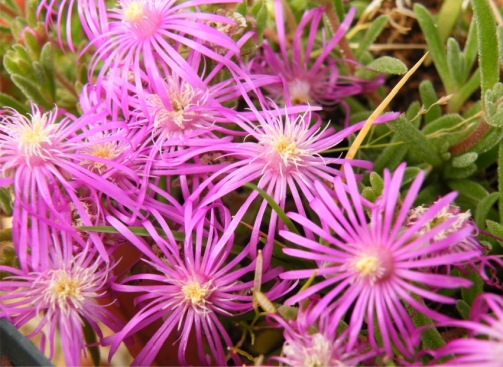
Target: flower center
{"x":448,"y":212}
{"x":134,"y":12}
{"x":180,"y":116}
{"x":106,"y":150}
{"x":286,"y":149}
{"x":283,"y":152}
{"x":65,"y":289}
{"x":32,"y":138}
{"x":140,"y":17}
{"x":313,"y":350}
{"x":299,"y":91}
{"x":197,"y":295}
{"x":372,"y":267}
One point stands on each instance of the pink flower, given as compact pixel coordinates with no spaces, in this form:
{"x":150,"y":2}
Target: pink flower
{"x":144,"y":36}
{"x":284,"y":152}
{"x":307,"y":79}
{"x":41,"y":154}
{"x":322,"y":343}
{"x":372,"y":263}
{"x":191,"y":284}
{"x":484,"y":344}
{"x":60,"y":294}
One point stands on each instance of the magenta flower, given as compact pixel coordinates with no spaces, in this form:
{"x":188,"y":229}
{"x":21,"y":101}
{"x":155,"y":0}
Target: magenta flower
{"x":306,"y":80}
{"x":460,"y":220}
{"x":318,"y":344}
{"x":40,"y":154}
{"x":372,"y":264}
{"x":145,"y":35}
{"x":284,"y":151}
{"x":60,"y":295}
{"x":484,"y":344}
{"x":190,"y":285}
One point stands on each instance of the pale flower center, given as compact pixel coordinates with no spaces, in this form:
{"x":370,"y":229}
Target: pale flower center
{"x":106,"y":150}
{"x":65,"y":289}
{"x":32,"y":138}
{"x":299,"y":92}
{"x":447,"y":212}
{"x":141,"y":17}
{"x":197,"y":295}
{"x":315,"y":351}
{"x":134,"y":12}
{"x":181,"y":97}
{"x":286,"y":149}
{"x":372,"y":267}
{"x":284,"y":152}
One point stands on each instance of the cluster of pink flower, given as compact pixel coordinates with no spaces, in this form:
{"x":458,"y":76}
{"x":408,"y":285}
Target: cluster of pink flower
{"x":162,"y":141}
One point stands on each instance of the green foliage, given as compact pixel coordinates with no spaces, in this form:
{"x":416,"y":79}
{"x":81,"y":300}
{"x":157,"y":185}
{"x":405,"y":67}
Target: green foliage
{"x":370,"y":35}
{"x":469,"y":294}
{"x":487,"y":41}
{"x":423,"y":147}
{"x":435,"y":45}
{"x":463,"y":308}
{"x":494,"y":106}
{"x":281,"y":214}
{"x":384,"y":64}
{"x":31,"y":68}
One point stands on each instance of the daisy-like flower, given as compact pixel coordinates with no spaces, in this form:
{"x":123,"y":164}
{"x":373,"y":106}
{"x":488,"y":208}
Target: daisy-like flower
{"x":141,"y":34}
{"x":461,"y":219}
{"x":307,"y":79}
{"x":373,"y":264}
{"x":191,"y":284}
{"x":39,"y":153}
{"x":60,"y":295}
{"x":318,"y":344}
{"x":484,"y":344}
{"x":285,"y":153}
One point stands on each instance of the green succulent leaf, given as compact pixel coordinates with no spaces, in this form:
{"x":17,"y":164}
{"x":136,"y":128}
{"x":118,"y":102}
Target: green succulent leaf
{"x":469,"y":189}
{"x":8,"y":101}
{"x":464,"y":160}
{"x":435,"y":45}
{"x":419,"y":145}
{"x":32,"y":45}
{"x":371,"y":34}
{"x":463,"y":308}
{"x":388,"y":65}
{"x":377,"y":183}
{"x":495,"y":229}
{"x":429,"y":98}
{"x":455,"y":62}
{"x":487,"y":40}
{"x":30,"y":90}
{"x":469,"y":294}
{"x":459,"y":173}
{"x":483,"y":208}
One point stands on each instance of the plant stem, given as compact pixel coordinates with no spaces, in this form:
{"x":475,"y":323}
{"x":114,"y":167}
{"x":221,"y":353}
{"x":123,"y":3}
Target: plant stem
{"x":334,"y":22}
{"x":68,"y":86}
{"x":471,"y":140}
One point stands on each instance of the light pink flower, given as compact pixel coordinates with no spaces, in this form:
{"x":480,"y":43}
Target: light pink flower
{"x":372,"y":263}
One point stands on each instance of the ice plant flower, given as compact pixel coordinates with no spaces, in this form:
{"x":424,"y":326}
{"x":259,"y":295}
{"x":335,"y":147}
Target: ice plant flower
{"x":60,"y":295}
{"x":308,"y":80}
{"x":139,"y":35}
{"x":191,"y":284}
{"x":461,"y":219}
{"x":40,"y":153}
{"x":284,"y":151}
{"x":373,"y":264}
{"x":484,"y":344}
{"x":318,"y":344}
